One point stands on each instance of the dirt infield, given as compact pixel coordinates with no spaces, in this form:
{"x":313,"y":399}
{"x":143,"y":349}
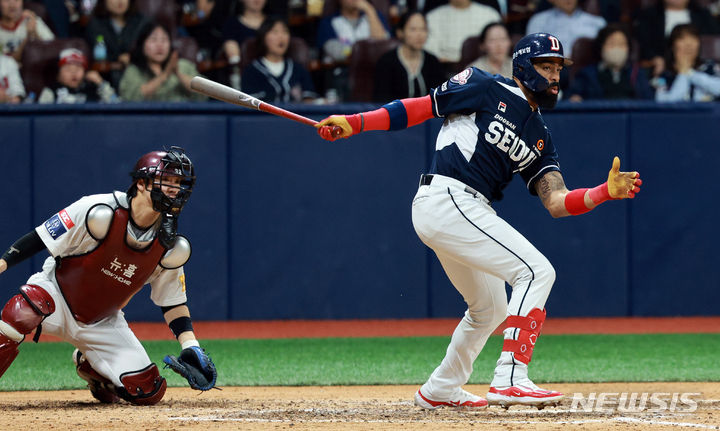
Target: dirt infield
{"x":354,"y":407}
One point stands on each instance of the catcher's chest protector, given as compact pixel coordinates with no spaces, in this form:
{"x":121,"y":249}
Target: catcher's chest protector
{"x":97,"y":284}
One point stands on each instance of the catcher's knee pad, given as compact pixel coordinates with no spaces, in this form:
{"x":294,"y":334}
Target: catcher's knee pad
{"x":22,"y":314}
{"x":529,"y":329}
{"x":143,"y":387}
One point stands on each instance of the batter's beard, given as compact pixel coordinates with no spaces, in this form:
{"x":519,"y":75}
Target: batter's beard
{"x":546,"y":99}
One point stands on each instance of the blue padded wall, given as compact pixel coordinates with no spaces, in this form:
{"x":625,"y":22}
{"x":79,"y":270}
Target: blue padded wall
{"x":285,"y":225}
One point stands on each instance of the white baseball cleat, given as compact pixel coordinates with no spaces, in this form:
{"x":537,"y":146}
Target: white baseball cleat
{"x":460,"y":399}
{"x":523,"y":395}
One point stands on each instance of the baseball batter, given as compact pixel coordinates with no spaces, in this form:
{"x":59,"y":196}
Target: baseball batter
{"x":104,"y":249}
{"x":493,"y":129}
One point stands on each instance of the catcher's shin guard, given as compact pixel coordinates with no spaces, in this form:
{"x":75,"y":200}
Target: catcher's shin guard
{"x":22,"y":314}
{"x":143,"y":387}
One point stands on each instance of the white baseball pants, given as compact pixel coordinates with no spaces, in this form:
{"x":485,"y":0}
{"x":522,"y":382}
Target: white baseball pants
{"x":108,"y":345}
{"x":479,"y":252}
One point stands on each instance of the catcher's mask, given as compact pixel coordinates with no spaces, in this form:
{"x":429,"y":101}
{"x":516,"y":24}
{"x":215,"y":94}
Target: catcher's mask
{"x":159,"y":167}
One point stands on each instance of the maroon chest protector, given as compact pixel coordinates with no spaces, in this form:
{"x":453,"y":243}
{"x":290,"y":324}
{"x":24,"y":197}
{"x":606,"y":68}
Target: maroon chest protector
{"x":98,"y":284}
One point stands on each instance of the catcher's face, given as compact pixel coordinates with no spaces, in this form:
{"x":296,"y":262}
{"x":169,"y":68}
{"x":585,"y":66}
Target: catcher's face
{"x":170,"y":185}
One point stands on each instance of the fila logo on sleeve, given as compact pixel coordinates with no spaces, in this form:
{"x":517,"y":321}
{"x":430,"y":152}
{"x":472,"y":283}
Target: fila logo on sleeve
{"x":502,"y":107}
{"x":58,"y":224}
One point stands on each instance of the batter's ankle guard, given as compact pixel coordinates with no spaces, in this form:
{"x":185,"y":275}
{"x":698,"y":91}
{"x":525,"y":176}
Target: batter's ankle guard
{"x":529,"y":327}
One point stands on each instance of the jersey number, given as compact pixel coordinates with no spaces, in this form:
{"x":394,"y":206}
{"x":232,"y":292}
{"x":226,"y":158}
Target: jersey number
{"x":554,"y":43}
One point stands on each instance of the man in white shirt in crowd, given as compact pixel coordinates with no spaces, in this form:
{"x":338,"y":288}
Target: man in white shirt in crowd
{"x":451,"y":24}
{"x":567,"y":22}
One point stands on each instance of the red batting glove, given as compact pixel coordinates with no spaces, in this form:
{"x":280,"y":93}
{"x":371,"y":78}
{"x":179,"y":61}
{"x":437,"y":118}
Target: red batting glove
{"x":339,"y":126}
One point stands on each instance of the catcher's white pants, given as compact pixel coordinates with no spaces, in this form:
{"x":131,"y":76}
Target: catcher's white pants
{"x":479,"y":252}
{"x":108,"y":345}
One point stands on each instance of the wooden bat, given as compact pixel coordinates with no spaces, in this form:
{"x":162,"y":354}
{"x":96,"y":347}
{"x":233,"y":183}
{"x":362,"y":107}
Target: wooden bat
{"x":230,"y":95}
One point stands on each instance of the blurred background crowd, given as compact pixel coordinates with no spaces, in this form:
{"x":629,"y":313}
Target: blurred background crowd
{"x":331,"y":51}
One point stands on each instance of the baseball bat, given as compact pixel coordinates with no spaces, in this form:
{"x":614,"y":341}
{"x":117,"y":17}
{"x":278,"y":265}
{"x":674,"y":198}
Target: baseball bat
{"x":230,"y":95}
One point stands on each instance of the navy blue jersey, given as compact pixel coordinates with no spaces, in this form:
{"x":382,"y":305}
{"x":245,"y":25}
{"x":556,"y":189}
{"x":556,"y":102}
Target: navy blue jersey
{"x":490,"y":133}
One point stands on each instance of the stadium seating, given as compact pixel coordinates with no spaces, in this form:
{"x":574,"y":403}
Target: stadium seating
{"x":583,"y":54}
{"x":365,"y":54}
{"x":470,"y":50}
{"x":163,"y":11}
{"x":710,"y":47}
{"x":186,"y":47}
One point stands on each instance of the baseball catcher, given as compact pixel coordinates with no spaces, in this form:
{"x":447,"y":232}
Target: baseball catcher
{"x":103,"y":249}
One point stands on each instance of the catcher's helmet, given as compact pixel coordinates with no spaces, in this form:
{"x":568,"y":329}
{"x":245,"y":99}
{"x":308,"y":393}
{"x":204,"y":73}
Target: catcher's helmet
{"x":159,"y":165}
{"x":536,"y":45}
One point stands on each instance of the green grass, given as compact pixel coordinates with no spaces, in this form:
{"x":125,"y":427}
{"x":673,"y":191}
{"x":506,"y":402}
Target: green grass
{"x":369,"y":361}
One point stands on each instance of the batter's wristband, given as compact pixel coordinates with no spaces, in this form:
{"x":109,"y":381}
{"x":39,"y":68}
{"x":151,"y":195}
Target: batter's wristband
{"x":378,"y":119}
{"x":600,"y":193}
{"x":180,"y":325}
{"x":356,"y":122}
{"x":575,"y":202}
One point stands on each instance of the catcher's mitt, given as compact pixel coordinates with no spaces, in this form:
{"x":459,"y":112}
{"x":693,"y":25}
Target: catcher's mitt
{"x":194,"y":365}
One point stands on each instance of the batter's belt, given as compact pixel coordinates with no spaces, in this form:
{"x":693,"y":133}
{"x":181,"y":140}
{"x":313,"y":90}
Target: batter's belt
{"x":441,"y":180}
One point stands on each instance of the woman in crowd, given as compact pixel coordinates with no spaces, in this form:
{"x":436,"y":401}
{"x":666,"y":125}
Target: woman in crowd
{"x":156,"y":73}
{"x":614,"y":76}
{"x":496,"y":44}
{"x":116,"y":24}
{"x":238,"y":29}
{"x":654,"y":24}
{"x":273,"y":76}
{"x":408,"y":70}
{"x":687,"y":77}
{"x":241,"y":27}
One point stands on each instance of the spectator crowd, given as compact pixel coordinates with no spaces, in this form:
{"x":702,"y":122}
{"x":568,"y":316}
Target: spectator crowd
{"x":328,"y":51}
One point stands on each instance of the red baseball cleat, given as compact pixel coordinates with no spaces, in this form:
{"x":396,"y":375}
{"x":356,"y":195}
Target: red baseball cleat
{"x":461,"y":399}
{"x":523,"y":395}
